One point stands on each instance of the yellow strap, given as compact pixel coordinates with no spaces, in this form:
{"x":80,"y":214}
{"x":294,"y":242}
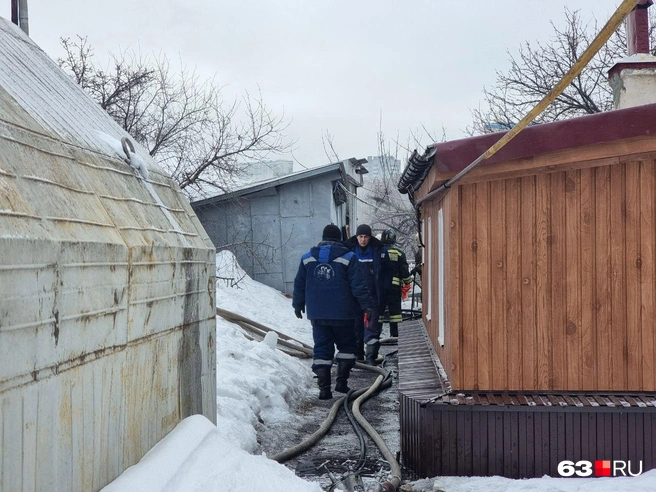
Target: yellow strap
{"x":606,"y":32}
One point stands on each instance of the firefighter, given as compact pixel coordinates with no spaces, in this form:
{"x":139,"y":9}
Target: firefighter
{"x":372,"y":257}
{"x":329,"y":284}
{"x":397,"y":282}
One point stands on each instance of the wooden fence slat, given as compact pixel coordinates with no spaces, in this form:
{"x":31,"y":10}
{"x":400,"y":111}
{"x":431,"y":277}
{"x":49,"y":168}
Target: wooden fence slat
{"x":558,"y":288}
{"x":513,"y":304}
{"x":602,"y":301}
{"x":529,"y":335}
{"x":498,"y":279}
{"x":617,"y":246}
{"x":454,"y":325}
{"x":483,"y":297}
{"x":469,"y":298}
{"x":647,"y":272}
{"x":543,"y":326}
{"x":633,"y":265}
{"x":587,"y":268}
{"x":573,"y":275}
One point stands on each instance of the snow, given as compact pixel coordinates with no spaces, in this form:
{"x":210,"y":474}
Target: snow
{"x":138,"y":163}
{"x":237,"y":292}
{"x":257,"y":385}
{"x":638,"y":58}
{"x":49,"y":96}
{"x":643,"y":483}
{"x":194,"y":457}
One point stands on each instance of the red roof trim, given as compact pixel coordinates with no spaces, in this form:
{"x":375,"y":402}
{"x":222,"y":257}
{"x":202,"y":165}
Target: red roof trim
{"x":594,"y":129}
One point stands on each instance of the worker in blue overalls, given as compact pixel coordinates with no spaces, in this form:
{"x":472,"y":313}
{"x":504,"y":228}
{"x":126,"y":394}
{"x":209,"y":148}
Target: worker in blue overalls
{"x":372,"y":256}
{"x":329,"y":285}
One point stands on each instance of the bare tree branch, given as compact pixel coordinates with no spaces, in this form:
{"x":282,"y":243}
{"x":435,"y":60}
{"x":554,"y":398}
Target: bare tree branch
{"x":188,"y":128}
{"x":328,"y":143}
{"x":538,"y":67}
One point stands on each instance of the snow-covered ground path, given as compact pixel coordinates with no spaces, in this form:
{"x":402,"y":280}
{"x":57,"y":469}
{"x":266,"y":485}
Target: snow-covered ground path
{"x":259,"y":387}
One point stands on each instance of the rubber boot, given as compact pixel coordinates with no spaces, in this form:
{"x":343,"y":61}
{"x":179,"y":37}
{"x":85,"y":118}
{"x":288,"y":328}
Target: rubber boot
{"x":371,"y":354}
{"x":359,"y":344}
{"x":394,"y":330}
{"x":323,"y":380}
{"x":359,"y":356}
{"x":343,"y":371}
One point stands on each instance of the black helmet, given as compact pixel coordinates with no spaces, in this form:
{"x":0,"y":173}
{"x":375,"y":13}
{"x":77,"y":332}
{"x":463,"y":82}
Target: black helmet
{"x":388,"y":236}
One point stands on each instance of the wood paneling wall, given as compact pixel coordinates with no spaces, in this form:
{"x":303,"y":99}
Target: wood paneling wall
{"x":550,"y":280}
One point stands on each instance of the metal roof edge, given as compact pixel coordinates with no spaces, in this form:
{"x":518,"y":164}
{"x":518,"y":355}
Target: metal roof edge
{"x":254,"y":188}
{"x":544,"y":138}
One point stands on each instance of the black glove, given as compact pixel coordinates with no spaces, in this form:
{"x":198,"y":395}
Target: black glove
{"x":368,"y":312}
{"x":298,"y":312}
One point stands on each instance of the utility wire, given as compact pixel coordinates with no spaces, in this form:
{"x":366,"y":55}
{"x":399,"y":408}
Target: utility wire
{"x":386,"y":211}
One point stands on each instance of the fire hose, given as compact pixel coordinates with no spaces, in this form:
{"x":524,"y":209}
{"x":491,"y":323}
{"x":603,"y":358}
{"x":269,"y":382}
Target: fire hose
{"x":384,"y":380}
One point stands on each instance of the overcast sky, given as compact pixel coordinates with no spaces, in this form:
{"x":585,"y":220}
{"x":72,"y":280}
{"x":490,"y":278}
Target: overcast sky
{"x":330,"y":65}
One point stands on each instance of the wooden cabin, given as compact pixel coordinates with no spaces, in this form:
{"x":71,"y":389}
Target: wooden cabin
{"x":539,"y":286}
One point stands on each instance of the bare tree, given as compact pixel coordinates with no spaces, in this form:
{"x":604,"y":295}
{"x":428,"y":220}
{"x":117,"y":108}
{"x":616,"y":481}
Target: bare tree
{"x":538,"y":68}
{"x":384,"y":207}
{"x":328,"y":142}
{"x":184,"y":122}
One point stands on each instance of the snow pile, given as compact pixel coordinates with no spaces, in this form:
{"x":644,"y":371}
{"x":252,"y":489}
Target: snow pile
{"x":238,"y":293}
{"x":194,"y":457}
{"x":638,"y":58}
{"x":139,"y":164}
{"x":643,"y":483}
{"x":256,"y":383}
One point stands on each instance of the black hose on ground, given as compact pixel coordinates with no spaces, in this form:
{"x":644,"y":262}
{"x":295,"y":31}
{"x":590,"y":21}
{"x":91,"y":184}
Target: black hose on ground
{"x":384,"y":380}
{"x":392,"y":484}
{"x":289,"y":453}
{"x":358,"y":431}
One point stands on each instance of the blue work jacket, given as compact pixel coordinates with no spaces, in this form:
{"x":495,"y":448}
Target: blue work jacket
{"x":374,"y":263}
{"x":329,"y":284}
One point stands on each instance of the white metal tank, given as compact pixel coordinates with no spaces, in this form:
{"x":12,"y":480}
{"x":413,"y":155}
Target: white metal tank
{"x":107,"y":315}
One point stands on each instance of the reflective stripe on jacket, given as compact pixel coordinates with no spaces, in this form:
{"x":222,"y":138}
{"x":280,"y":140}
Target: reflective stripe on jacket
{"x":398,"y":267}
{"x":375,"y":266}
{"x":329,"y":284}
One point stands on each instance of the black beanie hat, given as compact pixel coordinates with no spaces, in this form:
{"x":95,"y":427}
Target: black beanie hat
{"x":331,"y":233}
{"x":363,"y":230}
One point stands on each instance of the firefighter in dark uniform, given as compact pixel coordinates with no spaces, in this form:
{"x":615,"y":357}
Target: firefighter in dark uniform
{"x":397,"y":283}
{"x":329,"y":285}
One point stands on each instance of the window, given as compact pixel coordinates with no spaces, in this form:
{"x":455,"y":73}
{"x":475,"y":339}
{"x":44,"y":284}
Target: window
{"x":440,"y":277}
{"x":429,"y":278}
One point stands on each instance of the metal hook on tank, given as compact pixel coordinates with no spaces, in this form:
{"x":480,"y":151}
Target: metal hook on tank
{"x":128,"y":148}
